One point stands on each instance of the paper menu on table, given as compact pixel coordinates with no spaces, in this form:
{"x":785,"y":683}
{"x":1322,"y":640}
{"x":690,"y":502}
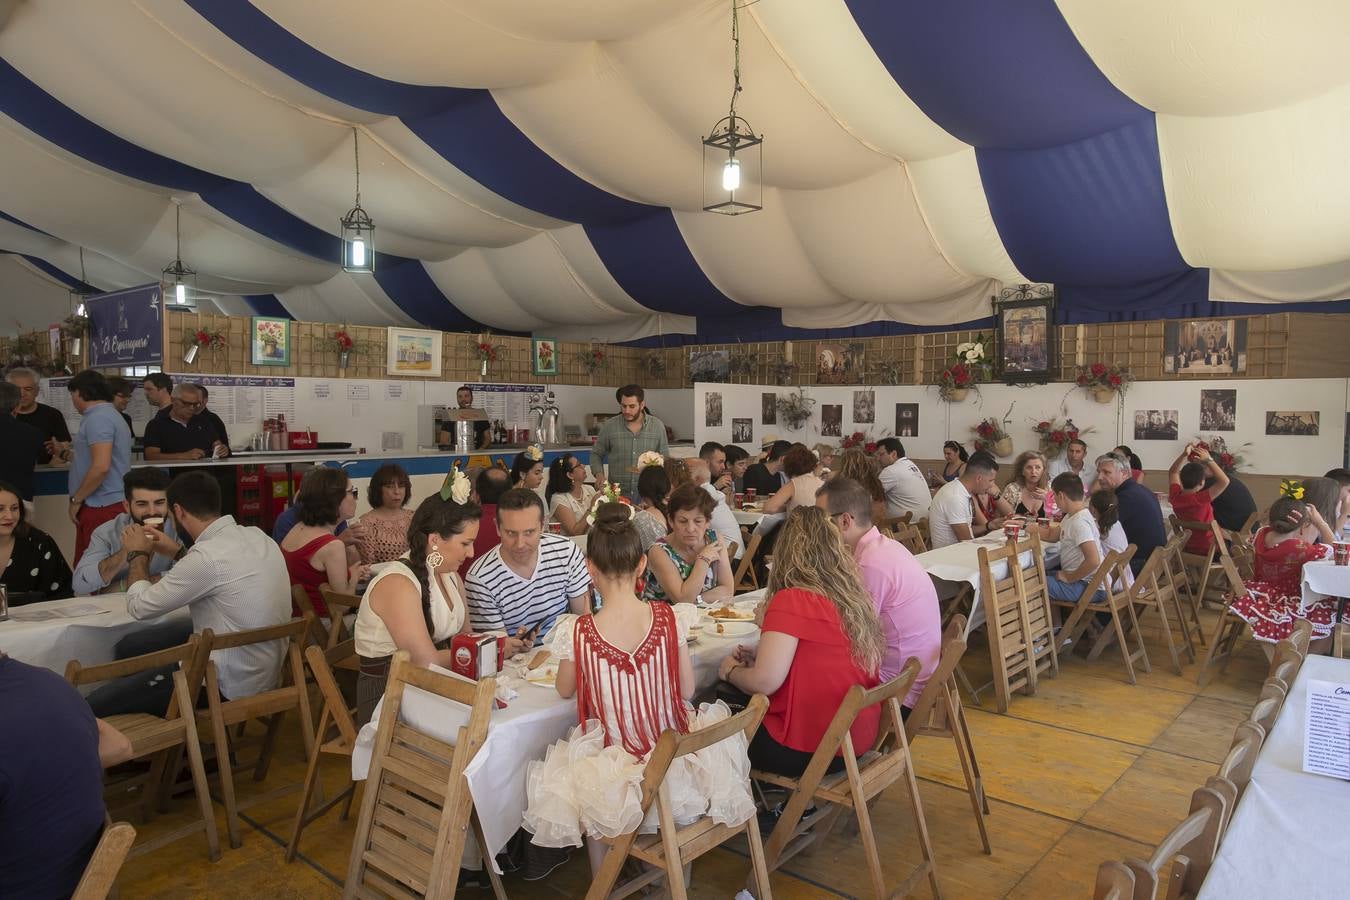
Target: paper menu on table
{"x":1326,"y":732}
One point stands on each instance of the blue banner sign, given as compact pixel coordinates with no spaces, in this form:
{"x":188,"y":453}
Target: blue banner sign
{"x":126,"y":327}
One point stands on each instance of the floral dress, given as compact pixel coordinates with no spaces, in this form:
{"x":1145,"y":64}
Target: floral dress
{"x":653,"y":590}
{"x":1274,"y":596}
{"x":1012,"y":495}
{"x":591,"y":782}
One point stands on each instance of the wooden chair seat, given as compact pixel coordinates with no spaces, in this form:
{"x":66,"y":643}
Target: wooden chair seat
{"x":148,"y":734}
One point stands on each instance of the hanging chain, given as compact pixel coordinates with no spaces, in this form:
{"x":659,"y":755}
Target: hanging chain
{"x":356,"y":151}
{"x":736,"y":61}
{"x":83,"y":279}
{"x":178,"y":234}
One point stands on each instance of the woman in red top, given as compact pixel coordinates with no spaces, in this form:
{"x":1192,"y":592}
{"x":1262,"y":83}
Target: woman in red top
{"x":821,"y":637}
{"x":313,"y":554}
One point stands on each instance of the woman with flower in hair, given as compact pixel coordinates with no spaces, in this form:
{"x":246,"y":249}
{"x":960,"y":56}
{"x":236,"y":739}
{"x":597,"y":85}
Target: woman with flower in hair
{"x":628,"y":667}
{"x":568,"y":495}
{"x":527,"y":469}
{"x":1274,"y":595}
{"x":417,"y":602}
{"x":653,"y":488}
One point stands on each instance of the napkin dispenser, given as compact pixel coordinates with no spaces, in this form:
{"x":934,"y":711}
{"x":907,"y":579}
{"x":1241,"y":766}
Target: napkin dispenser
{"x":476,"y":655}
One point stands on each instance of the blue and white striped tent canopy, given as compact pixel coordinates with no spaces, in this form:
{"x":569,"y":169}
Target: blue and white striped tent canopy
{"x":536,"y":166}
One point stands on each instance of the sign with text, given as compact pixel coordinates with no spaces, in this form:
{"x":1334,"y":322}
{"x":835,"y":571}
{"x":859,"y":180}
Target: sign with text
{"x":126,"y":327}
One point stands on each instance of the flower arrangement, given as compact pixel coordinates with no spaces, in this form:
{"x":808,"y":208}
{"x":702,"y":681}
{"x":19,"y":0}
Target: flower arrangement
{"x":609,"y":493}
{"x":74,"y":326}
{"x":654,"y":363}
{"x":890,"y":371}
{"x":991,"y":437}
{"x":955,"y":380}
{"x":743,"y":363}
{"x":794,"y":409}
{"x":972,"y":352}
{"x":1103,"y":381}
{"x":649,"y":458}
{"x":1291,"y":489}
{"x":859,"y":439}
{"x":592,"y":360}
{"x":1055,"y":435}
{"x":456,"y":486}
{"x":534,"y":453}
{"x":203,"y":338}
{"x":784,"y":371}
{"x":1229,"y":460}
{"x":484,"y":350}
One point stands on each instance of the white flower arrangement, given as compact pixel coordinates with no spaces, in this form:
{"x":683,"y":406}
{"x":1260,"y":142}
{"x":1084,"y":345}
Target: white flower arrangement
{"x":970,"y":352}
{"x":609,"y":493}
{"x":650,"y":458}
{"x":534,"y":452}
{"x":456,"y":486}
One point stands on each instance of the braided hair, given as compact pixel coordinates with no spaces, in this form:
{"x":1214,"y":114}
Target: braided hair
{"x":442,"y":518}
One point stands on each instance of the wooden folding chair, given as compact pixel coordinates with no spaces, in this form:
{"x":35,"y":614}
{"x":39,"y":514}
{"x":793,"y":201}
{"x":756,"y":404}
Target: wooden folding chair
{"x":100,"y":873}
{"x":416,"y":809}
{"x":1174,"y":570}
{"x":339,"y":607}
{"x":1036,"y":595}
{"x":161,"y":737}
{"x":1007,"y":624}
{"x":672,"y":848}
{"x":1260,"y":721}
{"x":938,"y":713}
{"x":1203,"y":569}
{"x":1076,"y":615}
{"x":924,"y":533}
{"x":745,"y":578}
{"x":1229,"y":627}
{"x":891,"y":525}
{"x":911,"y":538}
{"x":300,"y":597}
{"x":1114,"y":882}
{"x":1190,"y":848}
{"x":1237,"y":765}
{"x":1282,"y":674}
{"x":339,"y":719}
{"x":1119,"y":606}
{"x":1154,"y":590}
{"x":271,"y":705}
{"x":863,"y":778}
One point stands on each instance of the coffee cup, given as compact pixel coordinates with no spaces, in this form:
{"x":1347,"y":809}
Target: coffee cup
{"x":555,"y":528}
{"x":156,"y":522}
{"x":740,"y":499}
{"x":750,"y":495}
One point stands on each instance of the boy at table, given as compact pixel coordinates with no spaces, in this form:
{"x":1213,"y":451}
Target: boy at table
{"x":1080,"y":550}
{"x":1191,"y":500}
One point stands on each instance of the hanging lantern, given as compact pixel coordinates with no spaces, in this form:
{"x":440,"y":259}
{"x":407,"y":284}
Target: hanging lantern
{"x":733,"y":155}
{"x":179,"y":283}
{"x":358,"y":229}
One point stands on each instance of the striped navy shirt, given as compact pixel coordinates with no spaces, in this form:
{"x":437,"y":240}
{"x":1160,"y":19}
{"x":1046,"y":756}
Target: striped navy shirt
{"x":498,"y":598}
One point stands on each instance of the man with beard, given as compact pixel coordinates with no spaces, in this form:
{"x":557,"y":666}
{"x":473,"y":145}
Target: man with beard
{"x":625,"y":437}
{"x":104,"y":563}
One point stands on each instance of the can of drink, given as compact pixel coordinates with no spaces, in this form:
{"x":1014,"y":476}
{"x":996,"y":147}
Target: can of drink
{"x":750,"y":495}
{"x":740,"y":499}
{"x":1011,"y":530}
{"x":1342,"y":553}
{"x":555,"y":528}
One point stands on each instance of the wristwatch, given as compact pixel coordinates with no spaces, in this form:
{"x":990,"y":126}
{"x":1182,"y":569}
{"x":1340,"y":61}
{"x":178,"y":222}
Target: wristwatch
{"x":76,"y":501}
{"x":133,"y":554}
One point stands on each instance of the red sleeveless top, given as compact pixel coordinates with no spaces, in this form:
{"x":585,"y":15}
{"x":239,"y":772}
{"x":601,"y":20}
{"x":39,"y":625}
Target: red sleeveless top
{"x":305,"y":575}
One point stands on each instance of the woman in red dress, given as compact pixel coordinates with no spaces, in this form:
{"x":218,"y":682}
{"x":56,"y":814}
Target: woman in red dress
{"x":1275,"y":594}
{"x":821,"y":637}
{"x":314,"y":554}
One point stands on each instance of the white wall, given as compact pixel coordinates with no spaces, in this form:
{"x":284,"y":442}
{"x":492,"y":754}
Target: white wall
{"x":1112,"y":423}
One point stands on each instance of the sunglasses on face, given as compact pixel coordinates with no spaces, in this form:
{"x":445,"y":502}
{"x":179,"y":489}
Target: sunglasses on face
{"x":355,"y":492}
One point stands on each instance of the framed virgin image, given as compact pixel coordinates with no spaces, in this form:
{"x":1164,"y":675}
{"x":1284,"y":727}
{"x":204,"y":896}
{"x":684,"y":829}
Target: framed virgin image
{"x":269,"y":341}
{"x":1025,"y":336}
{"x":413,"y":351}
{"x":543,"y":356}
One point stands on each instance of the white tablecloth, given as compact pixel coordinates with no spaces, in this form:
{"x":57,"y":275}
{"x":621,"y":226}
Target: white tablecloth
{"x":961,"y":563}
{"x":1288,"y":837}
{"x":88,"y":638}
{"x":1322,"y":578}
{"x":747,"y":517}
{"x":516,"y":735}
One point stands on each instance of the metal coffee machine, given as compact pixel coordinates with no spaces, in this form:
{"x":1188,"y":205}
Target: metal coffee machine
{"x":449,"y":428}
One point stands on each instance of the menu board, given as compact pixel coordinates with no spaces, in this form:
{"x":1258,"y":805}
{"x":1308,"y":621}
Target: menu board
{"x":509,"y":403}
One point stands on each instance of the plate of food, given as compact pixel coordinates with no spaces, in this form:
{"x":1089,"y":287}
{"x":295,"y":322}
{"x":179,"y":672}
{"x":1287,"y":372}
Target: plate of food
{"x":544,"y":676}
{"x":731,"y":614}
{"x":731,"y":628}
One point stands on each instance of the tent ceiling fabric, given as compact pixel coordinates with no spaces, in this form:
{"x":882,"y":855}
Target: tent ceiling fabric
{"x":537,"y":168}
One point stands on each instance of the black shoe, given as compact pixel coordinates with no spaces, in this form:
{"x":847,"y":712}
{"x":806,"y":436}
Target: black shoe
{"x":473,"y":879}
{"x":540,"y":862}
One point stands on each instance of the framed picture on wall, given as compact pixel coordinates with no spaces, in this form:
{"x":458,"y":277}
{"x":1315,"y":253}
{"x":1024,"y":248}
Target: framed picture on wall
{"x":413,"y":351}
{"x":269,"y":341}
{"x":1025,"y":336}
{"x":1205,"y":346}
{"x":543,"y":356}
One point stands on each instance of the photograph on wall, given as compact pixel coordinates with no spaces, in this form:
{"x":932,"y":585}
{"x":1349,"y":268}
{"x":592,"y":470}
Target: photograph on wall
{"x":831,"y":420}
{"x":712,"y":409}
{"x":742,"y":431}
{"x":906,"y":420}
{"x":1218,"y":410}
{"x":1205,"y":346}
{"x":1156,"y":425}
{"x":839,"y":363}
{"x":1303,"y":424}
{"x":270,"y":341}
{"x":864,"y":407}
{"x":768,"y":409}
{"x":413,"y":351}
{"x":709,"y":365}
{"x":543,"y":356}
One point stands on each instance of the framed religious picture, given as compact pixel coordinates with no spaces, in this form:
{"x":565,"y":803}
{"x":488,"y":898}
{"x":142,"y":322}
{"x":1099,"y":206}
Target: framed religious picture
{"x":269,"y":341}
{"x":413,"y":351}
{"x":543,"y":356}
{"x":1025,"y":336}
{"x":709,"y":365}
{"x":1205,"y":346}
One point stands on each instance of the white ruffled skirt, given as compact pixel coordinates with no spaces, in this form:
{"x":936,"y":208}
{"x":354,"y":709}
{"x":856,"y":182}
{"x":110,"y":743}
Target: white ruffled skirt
{"x":583,"y":787}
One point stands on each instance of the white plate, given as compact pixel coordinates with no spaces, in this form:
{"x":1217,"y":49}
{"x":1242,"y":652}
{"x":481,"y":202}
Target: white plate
{"x":741,"y":615}
{"x":544,"y":676}
{"x":733,"y":629}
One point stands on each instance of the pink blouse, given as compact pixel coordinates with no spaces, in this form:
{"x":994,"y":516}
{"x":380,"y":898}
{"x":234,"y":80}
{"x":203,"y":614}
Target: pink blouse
{"x":386,"y":536}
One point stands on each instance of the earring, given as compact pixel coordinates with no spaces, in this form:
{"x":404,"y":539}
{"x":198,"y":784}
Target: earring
{"x":434,"y":559}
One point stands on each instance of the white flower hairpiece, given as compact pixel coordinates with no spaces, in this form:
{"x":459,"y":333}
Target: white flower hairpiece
{"x":650,"y":458}
{"x":534,"y":452}
{"x":456,"y":486}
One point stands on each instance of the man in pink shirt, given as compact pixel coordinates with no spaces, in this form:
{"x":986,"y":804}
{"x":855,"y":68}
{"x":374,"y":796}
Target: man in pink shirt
{"x":901,"y":590}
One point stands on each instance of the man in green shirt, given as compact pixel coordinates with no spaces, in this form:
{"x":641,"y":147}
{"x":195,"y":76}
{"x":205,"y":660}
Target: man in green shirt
{"x":625,"y":437}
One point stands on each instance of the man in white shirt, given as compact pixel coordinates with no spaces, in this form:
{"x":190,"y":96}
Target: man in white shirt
{"x":951,"y":516}
{"x":906,"y":488}
{"x":715,"y":455}
{"x":233,"y":578}
{"x":1074,"y":459}
{"x":723,"y":519}
{"x":1080,"y":550}
{"x":523,"y":584}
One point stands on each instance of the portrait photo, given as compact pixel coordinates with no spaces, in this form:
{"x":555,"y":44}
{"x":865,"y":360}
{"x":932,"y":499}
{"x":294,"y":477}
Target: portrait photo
{"x":1156,"y":425}
{"x":742,"y":431}
{"x":864,"y":407}
{"x":1218,"y":410}
{"x":831,"y":419}
{"x":768,"y":409}
{"x":906,"y":420}
{"x":1304,"y":424}
{"x":712,"y":409}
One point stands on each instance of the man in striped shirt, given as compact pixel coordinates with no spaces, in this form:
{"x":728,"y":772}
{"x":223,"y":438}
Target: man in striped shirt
{"x":524,"y":583}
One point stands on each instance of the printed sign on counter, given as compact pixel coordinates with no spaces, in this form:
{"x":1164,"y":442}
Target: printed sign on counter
{"x":1326,"y":739}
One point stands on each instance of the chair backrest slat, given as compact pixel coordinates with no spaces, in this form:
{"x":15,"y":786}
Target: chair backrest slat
{"x":335,"y":705}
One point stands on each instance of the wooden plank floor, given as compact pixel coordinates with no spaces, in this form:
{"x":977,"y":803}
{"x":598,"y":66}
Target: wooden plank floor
{"x":1090,"y":768}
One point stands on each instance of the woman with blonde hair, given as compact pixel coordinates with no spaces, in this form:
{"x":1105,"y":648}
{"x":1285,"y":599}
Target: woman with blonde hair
{"x":677,"y":473}
{"x":858,"y":466}
{"x":820,"y":637}
{"x":1029,"y":491}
